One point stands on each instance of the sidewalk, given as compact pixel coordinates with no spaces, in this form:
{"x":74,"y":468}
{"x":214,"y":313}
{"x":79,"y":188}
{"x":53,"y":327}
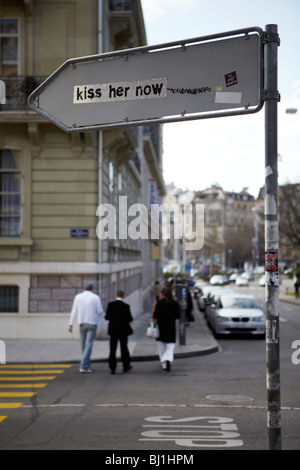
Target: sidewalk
{"x":198,"y":341}
{"x":290,"y":299}
{"x":287,"y":293}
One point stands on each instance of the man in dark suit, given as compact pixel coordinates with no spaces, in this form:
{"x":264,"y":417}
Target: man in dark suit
{"x":119,"y":316}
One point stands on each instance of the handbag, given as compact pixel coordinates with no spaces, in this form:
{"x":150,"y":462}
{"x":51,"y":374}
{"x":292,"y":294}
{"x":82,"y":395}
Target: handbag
{"x":152,"y":330}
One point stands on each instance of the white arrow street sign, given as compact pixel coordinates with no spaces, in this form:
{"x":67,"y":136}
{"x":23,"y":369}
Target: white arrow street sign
{"x":198,"y":78}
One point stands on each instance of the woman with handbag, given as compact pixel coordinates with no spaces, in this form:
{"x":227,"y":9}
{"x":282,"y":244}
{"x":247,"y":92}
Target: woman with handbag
{"x":165,"y":313}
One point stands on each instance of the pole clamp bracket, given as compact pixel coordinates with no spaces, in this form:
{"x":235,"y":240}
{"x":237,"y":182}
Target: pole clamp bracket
{"x":271,"y":95}
{"x":271,"y":37}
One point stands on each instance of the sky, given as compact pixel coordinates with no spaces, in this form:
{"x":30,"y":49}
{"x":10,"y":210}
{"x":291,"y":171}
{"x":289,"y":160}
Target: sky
{"x":230,"y":151}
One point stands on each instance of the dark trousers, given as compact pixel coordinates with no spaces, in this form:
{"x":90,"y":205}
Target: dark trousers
{"x":125,"y":357}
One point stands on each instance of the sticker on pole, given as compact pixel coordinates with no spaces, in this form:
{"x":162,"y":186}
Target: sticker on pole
{"x":271,"y":262}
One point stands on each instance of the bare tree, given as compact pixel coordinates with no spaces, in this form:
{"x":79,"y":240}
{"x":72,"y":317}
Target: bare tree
{"x":239,"y":242}
{"x":289,"y":216}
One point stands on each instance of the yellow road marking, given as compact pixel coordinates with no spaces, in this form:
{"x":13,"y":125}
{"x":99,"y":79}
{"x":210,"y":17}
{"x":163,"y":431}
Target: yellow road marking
{"x":22,"y":385}
{"x":31,"y":372}
{"x":34,"y":366}
{"x":10,"y":405}
{"x":10,"y":379}
{"x":16,"y":394}
{"x":23,"y":373}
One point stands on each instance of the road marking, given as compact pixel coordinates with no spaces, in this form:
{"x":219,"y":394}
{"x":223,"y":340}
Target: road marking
{"x":58,"y":405}
{"x":210,"y":431}
{"x":139,"y":404}
{"x":22,"y":385}
{"x":34,"y":366}
{"x":10,"y":405}
{"x":27,"y":378}
{"x":151,"y":405}
{"x":16,"y":394}
{"x":24,"y":372}
{"x":226,"y":398}
{"x":10,"y":374}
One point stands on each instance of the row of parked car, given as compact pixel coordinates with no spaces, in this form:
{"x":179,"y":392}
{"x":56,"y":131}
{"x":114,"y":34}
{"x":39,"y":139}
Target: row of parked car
{"x":237,"y":279}
{"x":227,"y":311}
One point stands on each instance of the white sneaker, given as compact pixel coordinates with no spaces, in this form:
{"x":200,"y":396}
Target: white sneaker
{"x":85,"y":371}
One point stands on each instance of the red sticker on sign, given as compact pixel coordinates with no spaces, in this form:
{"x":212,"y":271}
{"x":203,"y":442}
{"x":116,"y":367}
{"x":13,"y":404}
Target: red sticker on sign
{"x":231,"y":79}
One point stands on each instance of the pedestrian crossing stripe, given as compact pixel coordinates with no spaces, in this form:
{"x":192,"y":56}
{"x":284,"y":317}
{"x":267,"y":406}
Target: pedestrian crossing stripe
{"x":22,"y":385}
{"x":13,"y":372}
{"x":49,"y":377}
{"x":10,"y":405}
{"x":27,"y":375}
{"x":34,"y":366}
{"x":16,"y":394}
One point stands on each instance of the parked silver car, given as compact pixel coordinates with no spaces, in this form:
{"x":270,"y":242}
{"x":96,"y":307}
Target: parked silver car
{"x":219,"y":280}
{"x":237,"y":313}
{"x":209,"y":294}
{"x":211,"y":300}
{"x":241,"y":281}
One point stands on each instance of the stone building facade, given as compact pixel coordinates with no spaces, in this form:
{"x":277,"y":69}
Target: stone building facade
{"x":52,"y":182}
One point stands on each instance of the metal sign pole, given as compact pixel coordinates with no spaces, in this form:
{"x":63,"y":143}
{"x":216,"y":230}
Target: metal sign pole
{"x":271,"y":239}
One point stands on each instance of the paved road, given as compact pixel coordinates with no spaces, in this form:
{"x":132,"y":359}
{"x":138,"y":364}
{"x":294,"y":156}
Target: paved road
{"x":205,"y":403}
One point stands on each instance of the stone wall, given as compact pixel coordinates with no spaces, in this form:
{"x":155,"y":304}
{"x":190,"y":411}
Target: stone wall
{"x":55,"y":294}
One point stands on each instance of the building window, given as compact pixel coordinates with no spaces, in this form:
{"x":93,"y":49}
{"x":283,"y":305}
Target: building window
{"x":10,"y":193}
{"x":9,"y":299}
{"x":9,"y":46}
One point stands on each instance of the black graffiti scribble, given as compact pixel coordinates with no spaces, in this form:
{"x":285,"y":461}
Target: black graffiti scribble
{"x":190,"y":91}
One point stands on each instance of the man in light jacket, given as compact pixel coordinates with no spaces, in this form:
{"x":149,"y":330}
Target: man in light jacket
{"x":87,"y":308}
